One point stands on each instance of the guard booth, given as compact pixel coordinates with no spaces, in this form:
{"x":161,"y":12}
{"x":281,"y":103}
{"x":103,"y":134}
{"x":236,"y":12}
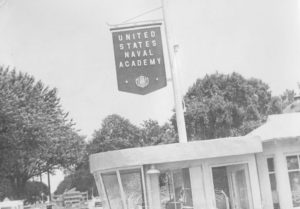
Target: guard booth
{"x":260,"y":170}
{"x":220,"y":173}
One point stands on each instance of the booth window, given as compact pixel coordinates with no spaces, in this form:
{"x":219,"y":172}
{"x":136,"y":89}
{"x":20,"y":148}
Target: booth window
{"x":100,"y":190}
{"x":132,"y":186}
{"x":232,"y":187}
{"x":112,"y":190}
{"x":122,"y":189}
{"x":272,"y":177}
{"x":294,"y":177}
{"x":175,"y":189}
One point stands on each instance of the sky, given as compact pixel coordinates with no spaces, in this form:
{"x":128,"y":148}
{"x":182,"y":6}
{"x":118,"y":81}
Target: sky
{"x":68,"y":45}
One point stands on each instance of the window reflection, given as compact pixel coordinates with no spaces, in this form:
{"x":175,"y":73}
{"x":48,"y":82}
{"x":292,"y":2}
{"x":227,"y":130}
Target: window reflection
{"x":221,"y":187}
{"x":271,"y":166}
{"x":112,"y":190}
{"x":175,"y":189}
{"x":100,"y":190}
{"x":232,"y":187}
{"x":132,"y":185}
{"x":295,"y":187}
{"x":294,"y":176}
{"x":292,"y":162}
{"x":123,"y":189}
{"x":271,"y":169}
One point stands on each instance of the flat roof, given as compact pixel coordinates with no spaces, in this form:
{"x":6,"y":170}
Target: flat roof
{"x":281,"y":126}
{"x":176,"y":152}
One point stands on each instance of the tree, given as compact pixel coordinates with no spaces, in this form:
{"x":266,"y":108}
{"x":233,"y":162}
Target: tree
{"x":81,"y":179}
{"x":116,"y":133}
{"x":5,"y":189}
{"x":153,"y":134}
{"x":36,"y":192}
{"x":36,"y":135}
{"x":226,"y":105}
{"x":287,"y":97}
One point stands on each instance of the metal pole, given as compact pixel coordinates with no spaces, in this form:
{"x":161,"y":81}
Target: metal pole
{"x":49,"y":186}
{"x":176,"y":88}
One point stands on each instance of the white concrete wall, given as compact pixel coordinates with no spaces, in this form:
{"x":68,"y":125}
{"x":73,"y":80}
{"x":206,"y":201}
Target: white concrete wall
{"x":264,"y":181}
{"x":198,"y":188}
{"x":202,"y":180}
{"x":278,"y":149}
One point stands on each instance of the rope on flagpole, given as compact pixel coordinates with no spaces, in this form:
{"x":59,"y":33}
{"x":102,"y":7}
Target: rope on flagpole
{"x":127,"y":21}
{"x":140,"y":15}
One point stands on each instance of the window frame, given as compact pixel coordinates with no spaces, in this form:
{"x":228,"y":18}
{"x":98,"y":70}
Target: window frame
{"x":246,"y":162}
{"x":297,"y":154}
{"x":275,"y":175}
{"x":172,"y":171}
{"x":122,"y":192}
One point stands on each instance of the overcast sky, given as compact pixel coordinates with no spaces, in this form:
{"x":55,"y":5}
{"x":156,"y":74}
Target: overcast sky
{"x":67,"y":44}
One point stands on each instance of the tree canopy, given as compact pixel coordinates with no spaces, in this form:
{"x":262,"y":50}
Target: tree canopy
{"x":116,"y":133}
{"x":222,"y":105}
{"x":81,"y":179}
{"x":36,"y":135}
{"x":36,"y":192}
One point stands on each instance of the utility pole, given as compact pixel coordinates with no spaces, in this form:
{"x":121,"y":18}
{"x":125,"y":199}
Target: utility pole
{"x":172,"y":50}
{"x":49,"y":186}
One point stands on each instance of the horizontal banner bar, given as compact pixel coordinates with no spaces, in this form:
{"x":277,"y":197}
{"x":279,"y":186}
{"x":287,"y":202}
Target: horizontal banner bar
{"x":135,"y":26}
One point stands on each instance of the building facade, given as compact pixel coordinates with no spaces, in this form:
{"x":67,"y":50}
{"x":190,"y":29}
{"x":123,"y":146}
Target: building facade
{"x":260,"y":170}
{"x":71,"y":198}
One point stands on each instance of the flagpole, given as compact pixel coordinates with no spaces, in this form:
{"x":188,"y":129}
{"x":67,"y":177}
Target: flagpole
{"x":175,"y":81}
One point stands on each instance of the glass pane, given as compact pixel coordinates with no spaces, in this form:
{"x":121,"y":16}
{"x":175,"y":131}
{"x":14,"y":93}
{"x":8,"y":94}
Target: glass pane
{"x":270,"y":164}
{"x":166,"y":189}
{"x":274,"y":190}
{"x":295,"y":187}
{"x":232,"y":187}
{"x":242,"y":189}
{"x":178,"y":185}
{"x":273,"y":181}
{"x":100,"y":190}
{"x":112,"y":190}
{"x":187,"y":191}
{"x":175,"y":187}
{"x":132,"y":185}
{"x":292,"y":162}
{"x":221,"y":187}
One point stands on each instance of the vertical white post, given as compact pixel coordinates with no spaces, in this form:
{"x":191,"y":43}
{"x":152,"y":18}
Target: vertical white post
{"x":264,"y":182}
{"x":176,"y":88}
{"x":49,"y":186}
{"x":282,"y":179}
{"x":124,"y":202}
{"x":101,"y":187}
{"x":153,"y":177}
{"x":155,"y":190}
{"x":198,"y":191}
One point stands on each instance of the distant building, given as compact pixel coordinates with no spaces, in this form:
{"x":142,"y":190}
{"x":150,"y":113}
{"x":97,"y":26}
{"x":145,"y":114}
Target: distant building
{"x":294,"y":107}
{"x":71,"y":198}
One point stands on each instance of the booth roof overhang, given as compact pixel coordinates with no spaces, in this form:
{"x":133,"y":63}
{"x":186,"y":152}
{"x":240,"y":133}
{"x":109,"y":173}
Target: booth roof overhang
{"x":168,"y":153}
{"x":279,"y":126}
